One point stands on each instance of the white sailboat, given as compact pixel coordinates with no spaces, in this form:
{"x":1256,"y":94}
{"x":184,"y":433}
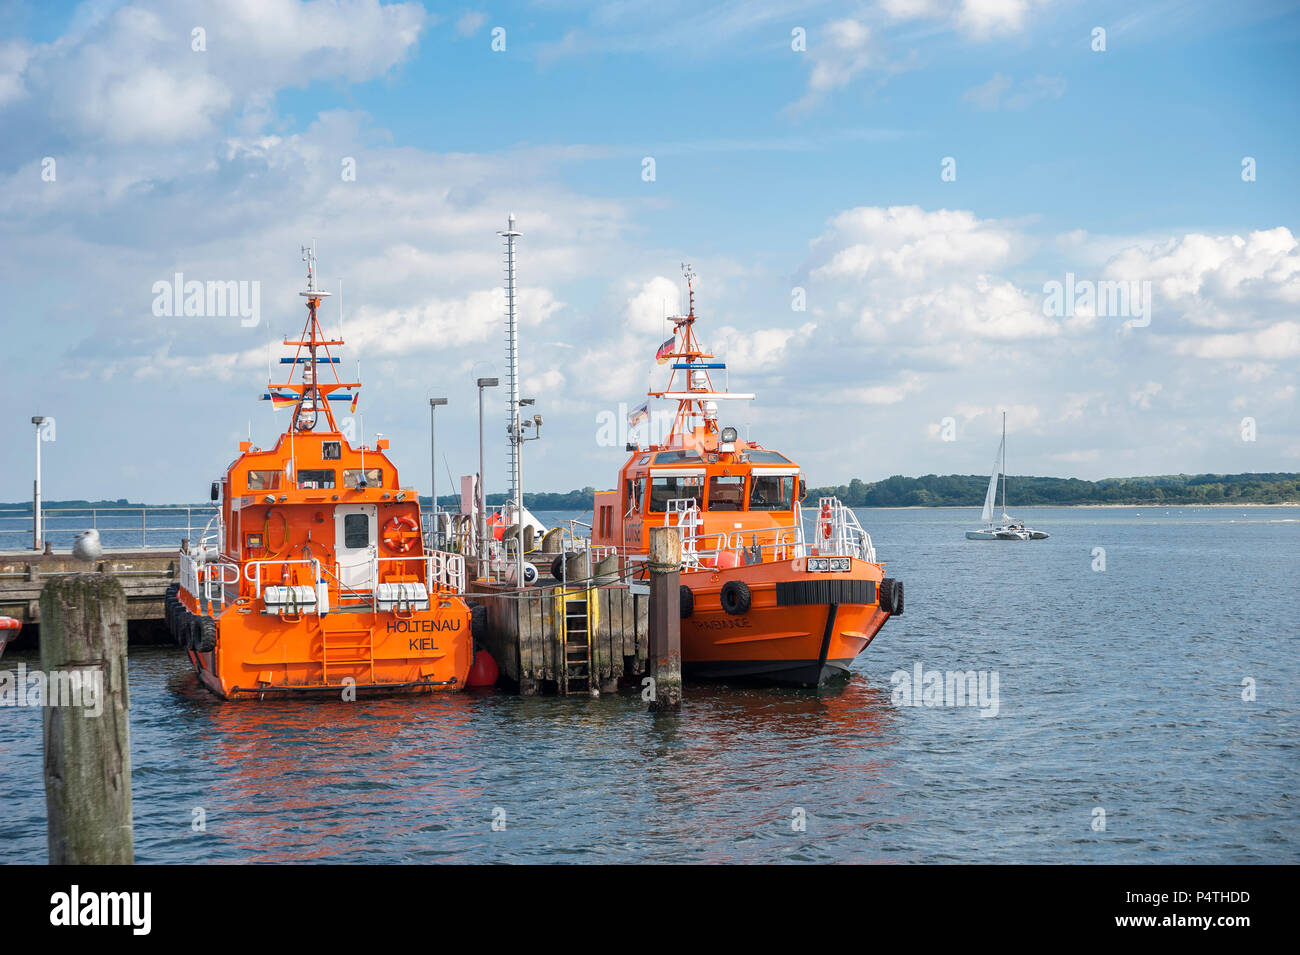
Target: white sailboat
{"x":1009,"y":529}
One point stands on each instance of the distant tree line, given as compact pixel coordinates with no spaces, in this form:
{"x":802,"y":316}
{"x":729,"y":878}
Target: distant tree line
{"x":967,"y":490}
{"x":953,"y":490}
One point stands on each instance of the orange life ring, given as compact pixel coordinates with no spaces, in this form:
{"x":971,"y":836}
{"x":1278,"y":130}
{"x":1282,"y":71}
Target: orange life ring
{"x":400,"y":534}
{"x":826,"y":521}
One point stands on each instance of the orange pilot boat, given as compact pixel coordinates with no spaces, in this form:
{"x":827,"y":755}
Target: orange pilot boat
{"x":313,"y":574}
{"x":762,"y":599}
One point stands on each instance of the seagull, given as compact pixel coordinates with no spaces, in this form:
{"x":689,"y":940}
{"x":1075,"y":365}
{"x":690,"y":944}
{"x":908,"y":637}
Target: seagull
{"x":86,"y":546}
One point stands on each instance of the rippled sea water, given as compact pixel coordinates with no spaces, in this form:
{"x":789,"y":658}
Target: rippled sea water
{"x":1118,"y":690}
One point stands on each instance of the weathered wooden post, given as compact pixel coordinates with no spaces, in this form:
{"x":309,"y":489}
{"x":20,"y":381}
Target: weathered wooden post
{"x":665,"y":618}
{"x":87,"y":740}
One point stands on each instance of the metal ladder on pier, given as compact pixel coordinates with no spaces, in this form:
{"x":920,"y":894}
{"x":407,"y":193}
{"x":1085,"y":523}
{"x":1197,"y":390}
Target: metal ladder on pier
{"x":576,"y":677}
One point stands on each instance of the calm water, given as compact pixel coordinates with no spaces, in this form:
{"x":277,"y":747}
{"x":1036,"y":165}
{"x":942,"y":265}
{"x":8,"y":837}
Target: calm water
{"x":1119,"y":689}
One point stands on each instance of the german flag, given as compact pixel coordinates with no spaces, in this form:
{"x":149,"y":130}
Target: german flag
{"x":666,"y":350}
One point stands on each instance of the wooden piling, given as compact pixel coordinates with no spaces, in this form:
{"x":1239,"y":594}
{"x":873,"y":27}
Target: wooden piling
{"x":665,"y":618}
{"x":87,"y":747}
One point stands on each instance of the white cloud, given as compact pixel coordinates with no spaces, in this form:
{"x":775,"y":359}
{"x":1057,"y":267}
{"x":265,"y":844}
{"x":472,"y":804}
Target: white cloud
{"x":908,"y":243}
{"x":445,"y":323}
{"x":13,"y":63}
{"x":839,"y":51}
{"x":132,"y":76}
{"x":470,"y":23}
{"x":998,"y":92}
{"x":977,"y":19}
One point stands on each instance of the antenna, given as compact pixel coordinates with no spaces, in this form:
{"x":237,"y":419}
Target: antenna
{"x":309,"y":256}
{"x":512,"y":351}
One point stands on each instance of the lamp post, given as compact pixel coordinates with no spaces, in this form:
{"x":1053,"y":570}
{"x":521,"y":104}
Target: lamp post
{"x":482,"y":496}
{"x":433,"y":469}
{"x":36,"y":488}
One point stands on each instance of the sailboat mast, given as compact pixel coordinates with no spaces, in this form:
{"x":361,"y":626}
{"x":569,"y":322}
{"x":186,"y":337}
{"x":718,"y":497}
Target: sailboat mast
{"x":1004,"y":462}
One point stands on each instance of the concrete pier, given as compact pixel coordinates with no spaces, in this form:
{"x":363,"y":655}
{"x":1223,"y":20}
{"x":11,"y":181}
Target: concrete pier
{"x":143,"y":574}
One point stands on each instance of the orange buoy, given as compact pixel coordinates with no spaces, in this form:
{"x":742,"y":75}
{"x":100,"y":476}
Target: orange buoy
{"x":484,"y":670}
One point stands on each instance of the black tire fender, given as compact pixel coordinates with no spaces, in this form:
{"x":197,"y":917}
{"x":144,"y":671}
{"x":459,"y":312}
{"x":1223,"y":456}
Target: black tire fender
{"x":205,"y":634}
{"x":735,"y":597}
{"x":885,"y":593}
{"x":688,"y":602}
{"x":898,"y":598}
{"x":557,"y":566}
{"x":477,"y":621}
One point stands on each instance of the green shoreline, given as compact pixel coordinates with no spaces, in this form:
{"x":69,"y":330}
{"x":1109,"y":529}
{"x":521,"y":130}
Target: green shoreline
{"x":957,"y":491}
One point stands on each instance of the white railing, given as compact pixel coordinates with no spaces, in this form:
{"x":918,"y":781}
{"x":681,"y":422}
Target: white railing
{"x":144,"y":527}
{"x":837,"y":533}
{"x":253,"y":572}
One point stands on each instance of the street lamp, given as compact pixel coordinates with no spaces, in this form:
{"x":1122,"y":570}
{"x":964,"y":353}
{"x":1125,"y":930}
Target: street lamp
{"x":433,"y":469}
{"x":36,"y":488}
{"x":482,"y":497}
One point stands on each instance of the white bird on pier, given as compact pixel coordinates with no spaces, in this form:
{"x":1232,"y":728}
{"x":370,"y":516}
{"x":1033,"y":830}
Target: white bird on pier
{"x":86,"y":546}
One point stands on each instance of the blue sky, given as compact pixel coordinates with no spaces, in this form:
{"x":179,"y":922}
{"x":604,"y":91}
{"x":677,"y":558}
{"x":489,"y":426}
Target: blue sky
{"x":774,"y":168}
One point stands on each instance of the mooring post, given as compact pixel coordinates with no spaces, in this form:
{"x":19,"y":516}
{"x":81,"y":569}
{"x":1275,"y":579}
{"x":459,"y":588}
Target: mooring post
{"x":665,"y":619}
{"x":87,"y":740}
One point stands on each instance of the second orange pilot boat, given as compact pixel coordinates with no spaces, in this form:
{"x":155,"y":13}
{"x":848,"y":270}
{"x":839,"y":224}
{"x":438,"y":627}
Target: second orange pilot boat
{"x":761,"y":598}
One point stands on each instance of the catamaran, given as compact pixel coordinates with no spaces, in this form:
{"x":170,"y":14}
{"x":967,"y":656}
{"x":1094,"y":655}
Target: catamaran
{"x":1010,"y":529}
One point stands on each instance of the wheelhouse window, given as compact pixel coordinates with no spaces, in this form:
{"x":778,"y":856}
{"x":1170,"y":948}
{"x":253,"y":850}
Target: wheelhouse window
{"x":727,"y":493}
{"x":689,"y":456}
{"x":264,"y":480}
{"x":771,"y":492}
{"x":331,"y":450}
{"x":356,"y":531}
{"x":374,"y":477}
{"x":317,"y":479}
{"x":766,"y":457}
{"x":665,"y":489}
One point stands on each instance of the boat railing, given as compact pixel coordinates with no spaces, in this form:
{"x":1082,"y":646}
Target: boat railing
{"x":838,"y":533}
{"x":253,"y":572}
{"x":443,"y":571}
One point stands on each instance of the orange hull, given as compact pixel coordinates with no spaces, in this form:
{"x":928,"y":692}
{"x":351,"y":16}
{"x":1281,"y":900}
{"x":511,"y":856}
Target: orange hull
{"x":261,"y":655}
{"x":801,"y":628}
{"x":313,"y":575}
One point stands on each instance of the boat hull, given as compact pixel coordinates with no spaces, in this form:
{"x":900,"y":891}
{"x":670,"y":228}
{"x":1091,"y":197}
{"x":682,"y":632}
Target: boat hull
{"x":801,"y":629}
{"x":340,"y":655}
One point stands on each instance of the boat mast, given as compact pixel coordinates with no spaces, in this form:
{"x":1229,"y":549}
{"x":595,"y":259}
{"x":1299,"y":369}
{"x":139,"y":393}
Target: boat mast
{"x":1004,"y":462}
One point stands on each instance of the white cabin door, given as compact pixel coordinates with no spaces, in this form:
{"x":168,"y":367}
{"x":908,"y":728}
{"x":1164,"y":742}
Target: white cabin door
{"x":356,"y":541}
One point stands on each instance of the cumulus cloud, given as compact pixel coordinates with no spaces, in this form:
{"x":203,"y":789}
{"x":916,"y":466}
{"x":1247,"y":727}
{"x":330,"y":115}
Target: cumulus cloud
{"x":1223,"y":297}
{"x":906,"y":242}
{"x":134,"y":75}
{"x":839,"y":51}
